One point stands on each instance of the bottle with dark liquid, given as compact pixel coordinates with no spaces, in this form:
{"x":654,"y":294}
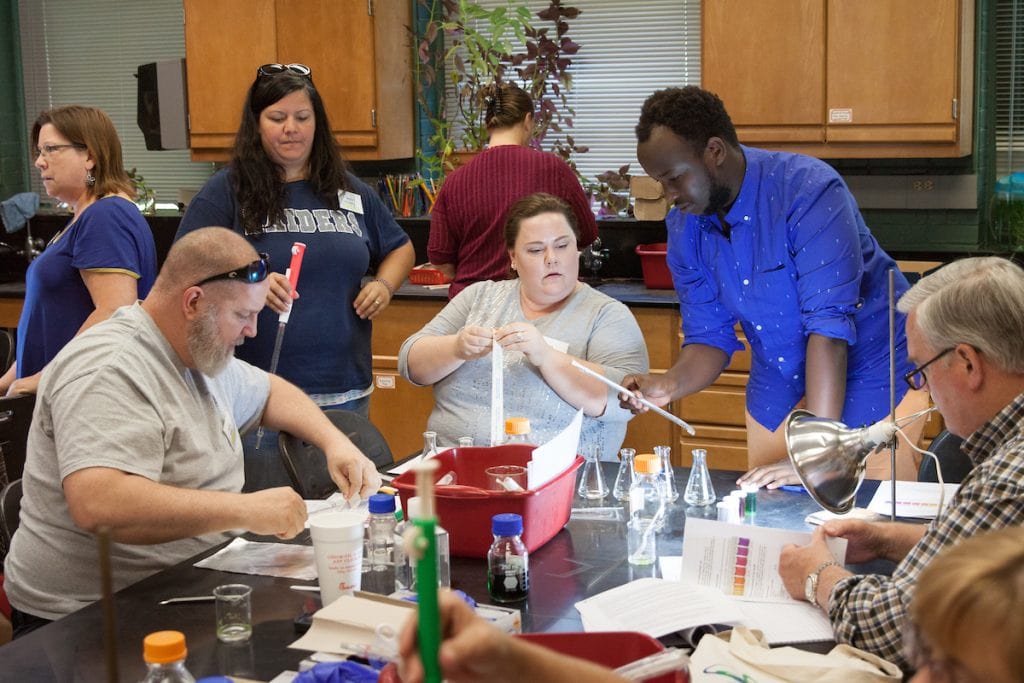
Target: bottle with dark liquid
{"x":508,"y":562}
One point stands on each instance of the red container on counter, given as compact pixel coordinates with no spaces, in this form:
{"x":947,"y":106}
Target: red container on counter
{"x":465,"y":509}
{"x":610,"y":648}
{"x":654,"y":265}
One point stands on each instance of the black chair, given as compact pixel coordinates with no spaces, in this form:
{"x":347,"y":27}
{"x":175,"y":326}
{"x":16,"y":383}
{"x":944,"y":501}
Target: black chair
{"x":7,"y":348}
{"x":10,"y":510}
{"x":305,"y":463}
{"x":15,"y":419}
{"x":955,"y":465}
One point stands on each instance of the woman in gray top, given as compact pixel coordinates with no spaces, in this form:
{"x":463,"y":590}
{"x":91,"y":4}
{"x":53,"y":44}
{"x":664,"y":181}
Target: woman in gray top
{"x":543,"y":319}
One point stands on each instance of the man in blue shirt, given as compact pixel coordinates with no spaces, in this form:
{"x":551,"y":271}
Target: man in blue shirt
{"x":775,"y":242}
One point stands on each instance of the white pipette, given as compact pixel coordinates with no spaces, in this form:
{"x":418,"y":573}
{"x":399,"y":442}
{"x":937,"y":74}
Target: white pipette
{"x":664,"y":413}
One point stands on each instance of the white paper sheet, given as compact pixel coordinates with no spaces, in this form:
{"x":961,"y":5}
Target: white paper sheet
{"x":497,"y":393}
{"x":353,"y":625}
{"x":287,"y":560}
{"x":916,"y":499}
{"x":555,"y":456}
{"x":741,"y":559}
{"x":659,"y":607}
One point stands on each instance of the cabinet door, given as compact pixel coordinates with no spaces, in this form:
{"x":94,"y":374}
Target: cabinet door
{"x":892,"y":70}
{"x":225,"y":42}
{"x":335,"y":39}
{"x":766,"y":60}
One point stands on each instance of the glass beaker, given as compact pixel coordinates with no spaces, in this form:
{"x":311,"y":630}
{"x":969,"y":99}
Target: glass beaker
{"x":592,"y":486}
{"x":667,"y":476}
{"x":625,"y":477}
{"x":699,"y":489}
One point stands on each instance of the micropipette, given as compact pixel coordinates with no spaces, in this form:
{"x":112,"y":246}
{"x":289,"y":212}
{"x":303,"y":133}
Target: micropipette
{"x":298,"y":250}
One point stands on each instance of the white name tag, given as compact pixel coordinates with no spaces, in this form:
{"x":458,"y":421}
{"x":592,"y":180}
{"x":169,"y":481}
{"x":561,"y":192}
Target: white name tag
{"x":351,"y":201}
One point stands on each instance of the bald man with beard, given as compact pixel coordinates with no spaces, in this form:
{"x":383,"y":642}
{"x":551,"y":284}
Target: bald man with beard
{"x":136,"y":429}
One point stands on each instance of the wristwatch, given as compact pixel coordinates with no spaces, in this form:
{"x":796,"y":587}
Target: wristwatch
{"x":811,"y":582}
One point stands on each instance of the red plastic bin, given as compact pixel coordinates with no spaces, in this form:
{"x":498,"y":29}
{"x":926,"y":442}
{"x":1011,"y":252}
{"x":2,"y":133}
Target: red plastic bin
{"x":654,"y":265}
{"x":609,"y":648}
{"x":466,"y":508}
{"x":421,"y":275}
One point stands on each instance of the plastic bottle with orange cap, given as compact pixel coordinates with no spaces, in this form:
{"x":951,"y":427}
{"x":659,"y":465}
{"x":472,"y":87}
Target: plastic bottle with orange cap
{"x":164,"y":653}
{"x":517,"y":431}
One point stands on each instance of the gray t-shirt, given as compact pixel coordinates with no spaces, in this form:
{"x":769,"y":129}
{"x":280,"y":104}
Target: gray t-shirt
{"x":118,"y":396}
{"x":590,"y":325}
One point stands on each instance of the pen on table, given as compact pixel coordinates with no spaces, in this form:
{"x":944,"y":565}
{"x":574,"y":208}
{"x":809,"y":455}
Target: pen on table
{"x":664,"y":413}
{"x":193,"y":598}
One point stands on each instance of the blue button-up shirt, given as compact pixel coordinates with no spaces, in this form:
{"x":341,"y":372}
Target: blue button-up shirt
{"x":799,"y":260}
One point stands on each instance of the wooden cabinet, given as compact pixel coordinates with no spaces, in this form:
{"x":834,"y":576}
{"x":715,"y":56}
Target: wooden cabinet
{"x":399,"y":408}
{"x":844,"y":78}
{"x":358,"y":51}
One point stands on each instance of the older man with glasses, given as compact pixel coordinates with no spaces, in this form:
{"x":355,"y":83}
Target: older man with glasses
{"x":137,"y":430}
{"x":964,"y":329}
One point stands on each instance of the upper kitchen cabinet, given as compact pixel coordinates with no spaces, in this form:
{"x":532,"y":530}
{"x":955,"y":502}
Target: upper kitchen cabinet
{"x":844,"y":78}
{"x":358,"y":51}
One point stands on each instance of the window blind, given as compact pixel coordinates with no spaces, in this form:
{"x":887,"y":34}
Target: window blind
{"x":87,"y":52}
{"x":1009,"y":85}
{"x":627,"y":51}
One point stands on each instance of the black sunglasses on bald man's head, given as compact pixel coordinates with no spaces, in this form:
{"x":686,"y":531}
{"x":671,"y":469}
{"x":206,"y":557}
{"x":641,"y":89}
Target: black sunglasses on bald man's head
{"x":251,"y":273}
{"x":274,"y":69}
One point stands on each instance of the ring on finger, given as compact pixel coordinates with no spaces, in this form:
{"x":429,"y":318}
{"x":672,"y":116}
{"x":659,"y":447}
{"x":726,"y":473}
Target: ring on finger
{"x":519,"y":336}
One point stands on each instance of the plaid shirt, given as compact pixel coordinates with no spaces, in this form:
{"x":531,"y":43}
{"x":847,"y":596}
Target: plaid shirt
{"x":868,"y":611}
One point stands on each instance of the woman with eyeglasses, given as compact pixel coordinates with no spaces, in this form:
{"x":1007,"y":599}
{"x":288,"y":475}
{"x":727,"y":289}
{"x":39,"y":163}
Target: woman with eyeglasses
{"x":967,"y":614}
{"x":104,"y":258}
{"x":286,"y":183}
{"x":468,"y":217}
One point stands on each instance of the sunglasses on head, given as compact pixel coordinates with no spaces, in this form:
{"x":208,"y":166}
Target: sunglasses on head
{"x":274,"y":69}
{"x":251,"y":273}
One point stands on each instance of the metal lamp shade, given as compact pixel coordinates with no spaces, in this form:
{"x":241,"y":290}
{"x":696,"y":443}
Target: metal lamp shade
{"x":829,"y":458}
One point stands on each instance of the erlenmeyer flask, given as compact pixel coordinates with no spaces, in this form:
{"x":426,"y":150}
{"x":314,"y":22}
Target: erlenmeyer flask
{"x":429,"y":445}
{"x":625,"y":477}
{"x":667,"y":476}
{"x":592,"y":486}
{"x":699,"y":489}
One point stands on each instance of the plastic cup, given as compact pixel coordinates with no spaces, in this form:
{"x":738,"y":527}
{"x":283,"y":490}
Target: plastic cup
{"x":338,"y":547}
{"x":234,"y":612}
{"x":506,"y":478}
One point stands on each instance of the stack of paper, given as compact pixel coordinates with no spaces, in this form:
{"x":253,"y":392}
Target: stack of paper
{"x":728,"y":576}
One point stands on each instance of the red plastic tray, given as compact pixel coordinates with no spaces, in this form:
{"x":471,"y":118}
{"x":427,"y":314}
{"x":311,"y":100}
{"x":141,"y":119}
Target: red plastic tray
{"x":612,"y":649}
{"x":466,"y":510}
{"x":654,"y":265}
{"x":427,"y":276}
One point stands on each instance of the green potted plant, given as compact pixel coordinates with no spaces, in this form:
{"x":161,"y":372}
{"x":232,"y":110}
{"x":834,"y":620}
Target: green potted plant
{"x":611,"y":189}
{"x":145,"y":197}
{"x":464,"y":47}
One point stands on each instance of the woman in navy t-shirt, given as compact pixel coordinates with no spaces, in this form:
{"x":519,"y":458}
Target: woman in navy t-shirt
{"x":287,"y":183}
{"x":103,"y":259}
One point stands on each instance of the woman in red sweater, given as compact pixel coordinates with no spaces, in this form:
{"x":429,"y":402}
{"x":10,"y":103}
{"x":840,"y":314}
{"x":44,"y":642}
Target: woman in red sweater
{"x":466,"y":224}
